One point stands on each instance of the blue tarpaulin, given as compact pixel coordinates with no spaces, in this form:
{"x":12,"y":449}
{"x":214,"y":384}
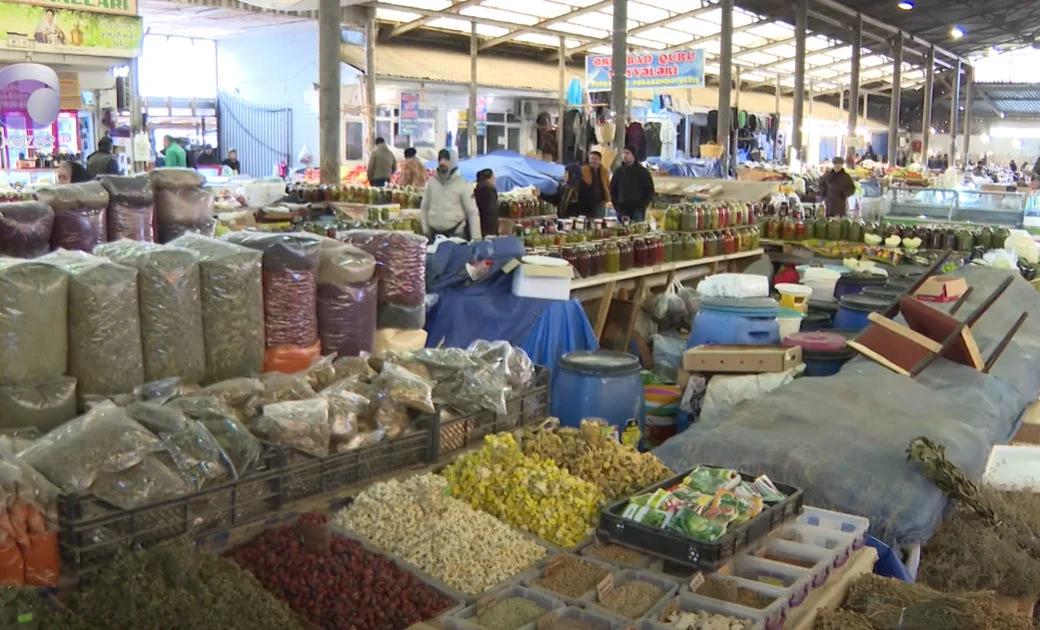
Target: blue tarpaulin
{"x":691,"y":167}
{"x":512,"y":170}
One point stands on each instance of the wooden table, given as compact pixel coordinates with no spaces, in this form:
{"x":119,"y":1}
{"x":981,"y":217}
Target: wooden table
{"x":639,"y":282}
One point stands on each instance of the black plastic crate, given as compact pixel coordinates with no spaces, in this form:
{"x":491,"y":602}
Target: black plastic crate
{"x":521,"y":409}
{"x":703,"y":556}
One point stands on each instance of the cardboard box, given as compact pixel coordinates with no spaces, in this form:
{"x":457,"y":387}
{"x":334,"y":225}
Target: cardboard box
{"x":682,"y":378}
{"x":941,"y":289}
{"x":741,"y":359}
{"x":543,"y":277}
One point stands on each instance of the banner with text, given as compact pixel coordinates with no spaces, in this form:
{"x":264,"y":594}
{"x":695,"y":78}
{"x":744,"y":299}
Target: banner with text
{"x":110,"y":7}
{"x":408,"y":116}
{"x":648,"y":70}
{"x":31,"y":27}
{"x":481,"y":115}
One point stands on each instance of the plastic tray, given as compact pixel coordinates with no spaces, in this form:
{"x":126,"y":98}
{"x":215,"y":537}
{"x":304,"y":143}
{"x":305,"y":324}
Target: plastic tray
{"x":754,"y":618}
{"x":772,"y":616}
{"x":791,"y":581}
{"x":624,"y":576}
{"x":705,"y":556}
{"x":531,"y":580}
{"x":598,"y":620}
{"x":857,"y":526}
{"x":463,"y":619}
{"x":831,"y":540}
{"x":819,"y":562}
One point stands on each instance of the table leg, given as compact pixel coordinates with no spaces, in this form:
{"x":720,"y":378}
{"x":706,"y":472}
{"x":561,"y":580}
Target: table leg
{"x":638,"y":297}
{"x":604,"y":308}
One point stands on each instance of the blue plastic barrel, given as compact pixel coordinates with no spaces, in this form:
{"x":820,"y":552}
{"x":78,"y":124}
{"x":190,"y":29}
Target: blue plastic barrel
{"x":853,"y":311}
{"x":750,"y":321}
{"x":854,"y":283}
{"x":603,"y":384}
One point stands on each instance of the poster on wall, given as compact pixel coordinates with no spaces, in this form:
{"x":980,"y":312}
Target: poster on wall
{"x":46,"y":29}
{"x":408,"y":116}
{"x":648,"y":70}
{"x":481,"y":115}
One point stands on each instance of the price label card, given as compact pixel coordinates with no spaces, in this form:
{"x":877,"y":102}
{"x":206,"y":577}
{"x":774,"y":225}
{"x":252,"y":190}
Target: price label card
{"x":604,"y":587}
{"x":696,"y":581}
{"x":484,"y":604}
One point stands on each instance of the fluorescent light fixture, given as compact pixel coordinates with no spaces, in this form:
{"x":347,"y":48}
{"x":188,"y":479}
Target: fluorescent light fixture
{"x":985,"y":138}
{"x":905,"y":5}
{"x":1016,"y":133}
{"x":932,"y":130}
{"x":956,"y":32}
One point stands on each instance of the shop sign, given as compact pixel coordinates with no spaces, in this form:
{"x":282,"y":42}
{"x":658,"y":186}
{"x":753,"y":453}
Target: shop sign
{"x":408,"y":114}
{"x":481,"y":115}
{"x":648,"y":70}
{"x":46,"y":29}
{"x":109,"y":7}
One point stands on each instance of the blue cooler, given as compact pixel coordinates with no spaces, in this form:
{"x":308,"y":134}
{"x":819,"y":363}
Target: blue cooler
{"x":603,"y":384}
{"x":854,"y":309}
{"x":732,"y":321}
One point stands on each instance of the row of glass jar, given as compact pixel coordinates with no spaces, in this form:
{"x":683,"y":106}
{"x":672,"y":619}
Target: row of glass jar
{"x":624,"y":254}
{"x":706,"y":216}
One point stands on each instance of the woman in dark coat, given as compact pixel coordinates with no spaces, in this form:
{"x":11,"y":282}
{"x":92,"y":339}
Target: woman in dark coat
{"x":486,"y":197}
{"x":569,"y":205}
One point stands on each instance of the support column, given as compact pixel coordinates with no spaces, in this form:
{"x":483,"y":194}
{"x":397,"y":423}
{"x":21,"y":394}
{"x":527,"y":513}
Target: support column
{"x":328,"y":88}
{"x":776,"y":110}
{"x":563,"y":99}
{"x":136,"y":117}
{"x":926,"y":115}
{"x":857,"y":51}
{"x":471,"y":117}
{"x":619,"y":66}
{"x":734,"y":141}
{"x":725,"y":121}
{"x":955,"y":103}
{"x":969,"y":96}
{"x":800,"y":23}
{"x":370,"y":76}
{"x":893,"y":114}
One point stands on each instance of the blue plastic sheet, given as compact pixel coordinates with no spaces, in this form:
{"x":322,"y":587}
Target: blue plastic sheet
{"x":888,"y":563}
{"x":446,"y":267}
{"x":512,"y":170}
{"x":691,"y":167}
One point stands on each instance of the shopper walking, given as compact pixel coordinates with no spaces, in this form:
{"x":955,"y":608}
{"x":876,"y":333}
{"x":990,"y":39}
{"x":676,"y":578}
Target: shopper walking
{"x":594,"y":192}
{"x":448,"y":207}
{"x":173,"y":153}
{"x":103,"y":161}
{"x":837,"y":186}
{"x":207,"y":157}
{"x":570,"y":192}
{"x":486,"y":196}
{"x":232,"y":161}
{"x":381,"y":164}
{"x":413,"y":171}
{"x":631,"y":187}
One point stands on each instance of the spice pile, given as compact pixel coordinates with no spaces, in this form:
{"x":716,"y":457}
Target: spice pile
{"x":729,"y":591}
{"x":509,"y":614}
{"x":616,"y":469}
{"x":526,"y":491}
{"x":25,"y":609}
{"x":571,"y":576}
{"x":614,"y":554}
{"x":632,"y":599}
{"x":349,"y":587}
{"x":701,"y":620}
{"x":467,"y":549}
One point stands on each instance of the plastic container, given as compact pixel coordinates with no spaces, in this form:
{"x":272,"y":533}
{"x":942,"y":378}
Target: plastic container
{"x":854,"y":283}
{"x":823,"y":352}
{"x":853,"y":311}
{"x":772,"y":616}
{"x":531,"y":580}
{"x":795,"y":296}
{"x":789,"y":320}
{"x":822,"y":282}
{"x":645,"y":562}
{"x":464,"y":619}
{"x":855,"y":526}
{"x":670,"y":587}
{"x":596,"y":619}
{"x":791,"y":582}
{"x":731,"y":321}
{"x":755,"y":619}
{"x":819,"y":562}
{"x":816,"y":320}
{"x":602,"y":384}
{"x":840,"y":543}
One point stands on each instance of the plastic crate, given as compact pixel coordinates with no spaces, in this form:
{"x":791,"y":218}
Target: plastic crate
{"x":754,"y":619}
{"x":576,"y":600}
{"x":669,"y":586}
{"x":772,"y":616}
{"x":855,"y":526}
{"x":793,"y":583}
{"x":819,"y":562}
{"x":704,"y":556}
{"x":461,"y":431}
{"x":831,"y":540}
{"x":464,"y":619}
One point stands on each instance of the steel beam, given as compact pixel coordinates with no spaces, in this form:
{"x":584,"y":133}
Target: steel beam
{"x":328,"y":89}
{"x":639,"y":29}
{"x":926,"y":114}
{"x":592,"y":8}
{"x":800,"y":26}
{"x":893,"y":114}
{"x":969,"y":79}
{"x":619,"y":65}
{"x":725,"y":84}
{"x":471,"y":122}
{"x":426,"y":19}
{"x":857,"y":51}
{"x":953,"y":113}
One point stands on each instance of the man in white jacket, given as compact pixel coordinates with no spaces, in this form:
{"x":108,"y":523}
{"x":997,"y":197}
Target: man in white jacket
{"x":448,"y":206}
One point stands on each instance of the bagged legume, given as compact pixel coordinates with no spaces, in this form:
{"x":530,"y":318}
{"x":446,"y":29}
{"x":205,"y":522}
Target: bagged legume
{"x":33,"y":321}
{"x":25,"y":229}
{"x":401,"y":263}
{"x":79,"y":215}
{"x":131,"y":207}
{"x":42,"y":405}
{"x":347,"y":317}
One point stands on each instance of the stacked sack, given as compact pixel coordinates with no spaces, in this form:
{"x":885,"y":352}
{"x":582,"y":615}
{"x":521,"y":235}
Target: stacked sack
{"x":34,"y":390}
{"x":25,"y":229}
{"x":290,"y":283}
{"x":131,"y":208}
{"x":181,"y":204}
{"x":347,"y":300}
{"x":80,"y":221}
{"x":401,"y":270}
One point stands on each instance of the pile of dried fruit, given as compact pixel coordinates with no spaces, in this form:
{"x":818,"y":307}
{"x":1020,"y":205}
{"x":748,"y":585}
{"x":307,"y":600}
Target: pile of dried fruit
{"x":616,"y":469}
{"x":701,"y":620}
{"x":526,"y":491}
{"x":348,"y":588}
{"x":467,"y":549}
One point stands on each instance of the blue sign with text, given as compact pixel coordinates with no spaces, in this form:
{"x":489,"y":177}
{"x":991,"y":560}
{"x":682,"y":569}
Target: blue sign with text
{"x":648,"y":70}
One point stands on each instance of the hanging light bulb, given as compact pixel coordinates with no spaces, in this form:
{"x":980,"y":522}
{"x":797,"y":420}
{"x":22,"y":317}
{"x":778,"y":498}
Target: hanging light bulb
{"x":956,"y":32}
{"x":906,"y":5}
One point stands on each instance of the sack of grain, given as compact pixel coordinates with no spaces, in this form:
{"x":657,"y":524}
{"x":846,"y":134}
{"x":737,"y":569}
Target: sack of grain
{"x":131,"y":208}
{"x":25,"y":229}
{"x":33,"y":321}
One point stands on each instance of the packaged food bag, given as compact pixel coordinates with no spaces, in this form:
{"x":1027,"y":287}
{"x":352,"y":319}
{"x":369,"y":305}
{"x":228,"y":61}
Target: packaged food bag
{"x":33,"y":321}
{"x":131,"y":207}
{"x":25,"y":229}
{"x":79,"y":215}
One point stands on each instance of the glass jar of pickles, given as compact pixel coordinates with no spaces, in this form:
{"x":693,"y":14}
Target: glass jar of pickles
{"x":611,"y":257}
{"x":584,"y":263}
{"x":625,"y":254}
{"x":639,"y":252}
{"x":689,"y":220}
{"x":669,"y":247}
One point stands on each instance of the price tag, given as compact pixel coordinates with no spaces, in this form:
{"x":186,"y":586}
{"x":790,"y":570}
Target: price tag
{"x":696,"y":581}
{"x":484,"y":604}
{"x":604,"y":587}
{"x":546,"y":621}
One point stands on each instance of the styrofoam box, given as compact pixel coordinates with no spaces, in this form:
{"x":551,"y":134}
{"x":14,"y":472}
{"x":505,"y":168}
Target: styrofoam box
{"x":625,"y":576}
{"x":753,"y":619}
{"x":463,"y":619}
{"x":794,"y":582}
{"x":538,"y":286}
{"x":787,"y":552}
{"x":531,"y":580}
{"x":830,"y":539}
{"x":856,"y":526}
{"x":772,"y":616}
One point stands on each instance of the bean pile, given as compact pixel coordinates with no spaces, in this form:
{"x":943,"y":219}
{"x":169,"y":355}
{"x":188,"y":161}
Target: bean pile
{"x":632,"y":599}
{"x":616,"y":554}
{"x":729,"y":591}
{"x":571,"y":576}
{"x":348,"y":588}
{"x":510,"y":614}
{"x":467,"y":549}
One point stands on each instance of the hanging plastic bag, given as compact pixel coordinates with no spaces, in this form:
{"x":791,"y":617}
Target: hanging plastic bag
{"x":669,"y":310}
{"x":12,"y":566}
{"x":305,"y":157}
{"x":42,"y":559}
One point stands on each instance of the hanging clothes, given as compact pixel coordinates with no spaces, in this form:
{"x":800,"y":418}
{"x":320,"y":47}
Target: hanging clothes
{"x":653,"y":139}
{"x":741,"y":119}
{"x":636,"y":137}
{"x":680,"y":132}
{"x":667,"y":135}
{"x":713,"y":126}
{"x":570,"y":136}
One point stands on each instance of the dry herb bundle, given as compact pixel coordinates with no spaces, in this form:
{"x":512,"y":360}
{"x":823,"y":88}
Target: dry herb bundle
{"x":841,"y":620}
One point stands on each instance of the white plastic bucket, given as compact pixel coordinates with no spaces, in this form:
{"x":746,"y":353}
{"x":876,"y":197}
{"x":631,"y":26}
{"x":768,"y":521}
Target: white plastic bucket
{"x":822,"y":282}
{"x":789,"y":320}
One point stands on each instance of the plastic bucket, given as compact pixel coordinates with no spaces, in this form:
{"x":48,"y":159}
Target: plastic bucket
{"x":789,"y":320}
{"x":822,"y":282}
{"x":795,"y":296}
{"x":816,"y":320}
{"x":853,"y":311}
{"x":853,"y":284}
{"x":601,"y":384}
{"x":823,"y":352}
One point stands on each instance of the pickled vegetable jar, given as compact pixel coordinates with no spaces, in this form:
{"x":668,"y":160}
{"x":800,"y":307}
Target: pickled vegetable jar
{"x":856,"y":231}
{"x":834,"y":230}
{"x":698,"y":246}
{"x":713,"y":218}
{"x":789,"y":232}
{"x":639,"y":252}
{"x":612,"y":257}
{"x":986,"y":237}
{"x":755,"y":235}
{"x":965,"y":241}
{"x":673,"y":219}
{"x":669,"y":247}
{"x":724,"y":216}
{"x":773,"y":229}
{"x":584,"y":265}
{"x":625,"y":254}
{"x":688,"y":223}
{"x":689,"y":250}
{"x":820,"y":229}
{"x":570,"y":255}
{"x":729,"y":244}
{"x":799,"y":231}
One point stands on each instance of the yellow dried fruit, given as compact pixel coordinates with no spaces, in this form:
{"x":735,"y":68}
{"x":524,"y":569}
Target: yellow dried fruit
{"x":616,"y":469}
{"x":527,"y":491}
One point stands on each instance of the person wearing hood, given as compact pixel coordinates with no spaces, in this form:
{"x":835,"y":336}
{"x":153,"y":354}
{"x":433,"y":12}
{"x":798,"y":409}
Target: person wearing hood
{"x":486,"y":196}
{"x":570,"y":192}
{"x":448,"y":206}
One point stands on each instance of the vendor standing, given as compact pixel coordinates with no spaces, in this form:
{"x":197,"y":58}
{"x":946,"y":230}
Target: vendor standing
{"x":486,"y":196}
{"x":594,"y":192}
{"x":837,"y":186}
{"x":381,"y":164}
{"x":448,"y":206}
{"x":631,"y":187}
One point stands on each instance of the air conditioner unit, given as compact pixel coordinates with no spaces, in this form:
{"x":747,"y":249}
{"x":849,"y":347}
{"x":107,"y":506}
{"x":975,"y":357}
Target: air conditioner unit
{"x":526,"y":109}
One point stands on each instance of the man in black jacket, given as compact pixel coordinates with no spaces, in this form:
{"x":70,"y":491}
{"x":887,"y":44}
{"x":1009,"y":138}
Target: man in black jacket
{"x":631,"y":187}
{"x":486,"y":196}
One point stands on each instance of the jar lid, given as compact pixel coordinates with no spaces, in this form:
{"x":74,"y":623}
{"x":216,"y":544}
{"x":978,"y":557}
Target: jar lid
{"x":817,"y":341}
{"x":600,"y":362}
{"x":866,"y":303}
